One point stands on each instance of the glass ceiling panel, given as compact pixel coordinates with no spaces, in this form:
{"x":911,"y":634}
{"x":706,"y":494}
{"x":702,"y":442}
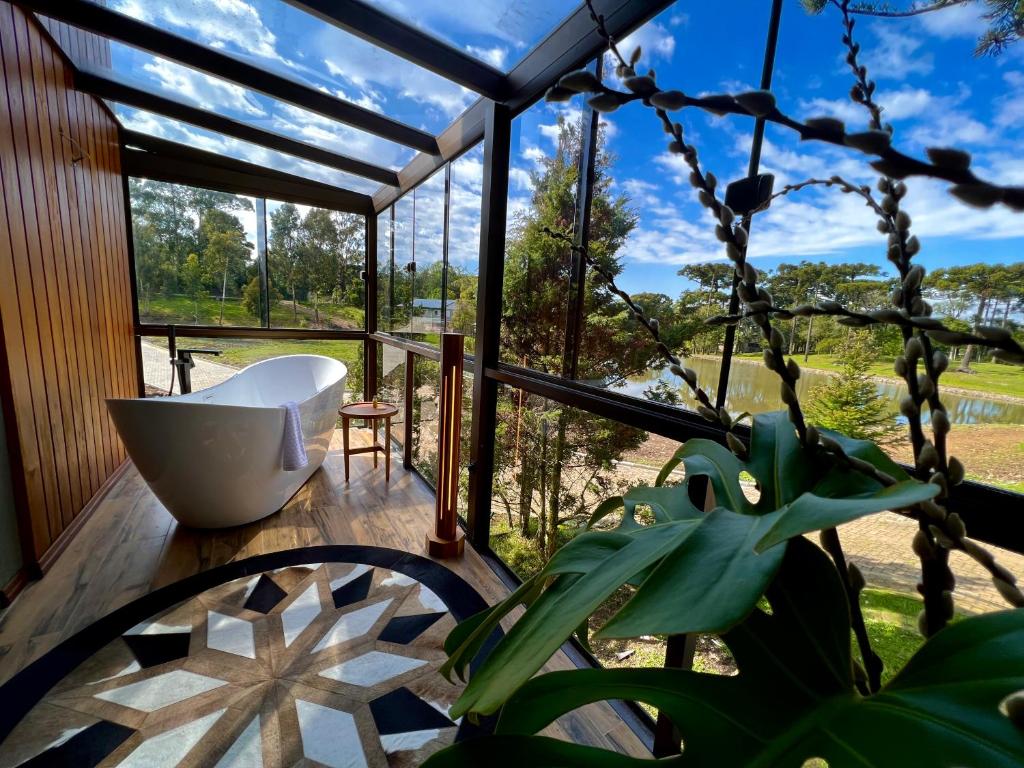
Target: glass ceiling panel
{"x":198,"y":138}
{"x":497,"y":32}
{"x":174,"y":81}
{"x":290,"y":42}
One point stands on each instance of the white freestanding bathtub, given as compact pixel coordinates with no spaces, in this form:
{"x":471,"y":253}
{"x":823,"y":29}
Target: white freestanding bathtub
{"x":214,"y":457}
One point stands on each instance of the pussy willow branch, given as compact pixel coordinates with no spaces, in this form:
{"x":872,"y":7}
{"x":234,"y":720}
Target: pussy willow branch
{"x":734,"y":235}
{"x":930,"y":458}
{"x":949,"y":165}
{"x":834,"y":181}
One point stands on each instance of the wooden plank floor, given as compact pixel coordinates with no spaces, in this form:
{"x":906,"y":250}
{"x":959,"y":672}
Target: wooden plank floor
{"x":132,"y":545}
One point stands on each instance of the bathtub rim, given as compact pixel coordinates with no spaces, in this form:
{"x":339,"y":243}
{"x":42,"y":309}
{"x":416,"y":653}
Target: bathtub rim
{"x":177,"y":399}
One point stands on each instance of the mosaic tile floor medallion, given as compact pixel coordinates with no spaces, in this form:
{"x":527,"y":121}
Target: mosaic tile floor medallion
{"x":324,"y":656}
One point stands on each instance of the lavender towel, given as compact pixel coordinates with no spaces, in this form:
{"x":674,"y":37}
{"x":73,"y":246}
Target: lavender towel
{"x":293,"y":448}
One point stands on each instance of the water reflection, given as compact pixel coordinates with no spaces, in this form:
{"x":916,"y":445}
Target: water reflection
{"x":754,"y":388}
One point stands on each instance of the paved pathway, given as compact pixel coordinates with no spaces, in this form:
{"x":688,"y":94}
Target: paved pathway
{"x":880,"y":546}
{"x":157,"y":370}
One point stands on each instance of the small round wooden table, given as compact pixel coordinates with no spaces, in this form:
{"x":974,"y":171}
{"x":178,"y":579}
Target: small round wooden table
{"x":373,"y":414}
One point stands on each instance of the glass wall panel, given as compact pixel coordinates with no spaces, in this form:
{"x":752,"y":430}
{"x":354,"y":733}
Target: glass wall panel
{"x":400,"y":277}
{"x":464,"y":242}
{"x":543,"y":174}
{"x":316,"y":258}
{"x":426,"y":404}
{"x":195,"y":258}
{"x":429,"y":310}
{"x":154,"y":74}
{"x":383,"y":269}
{"x":290,"y":42}
{"x":648,"y":227}
{"x":199,"y":138}
{"x":235,"y":354}
{"x":819,"y":243}
{"x":391,"y":386}
{"x":465,"y":443}
{"x":497,"y":33}
{"x":553,"y":465}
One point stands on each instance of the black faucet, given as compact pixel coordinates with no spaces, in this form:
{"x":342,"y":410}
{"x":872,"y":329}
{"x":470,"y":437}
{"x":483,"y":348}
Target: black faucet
{"x":182,"y":362}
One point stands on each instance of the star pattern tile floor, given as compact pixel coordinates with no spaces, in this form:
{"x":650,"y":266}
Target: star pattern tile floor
{"x":335,"y":663}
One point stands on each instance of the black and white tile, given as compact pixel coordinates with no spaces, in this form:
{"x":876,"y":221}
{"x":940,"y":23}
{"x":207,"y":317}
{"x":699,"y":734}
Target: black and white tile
{"x":330,"y":662}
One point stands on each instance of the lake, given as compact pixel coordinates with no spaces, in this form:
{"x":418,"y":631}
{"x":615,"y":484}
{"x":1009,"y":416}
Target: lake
{"x":754,"y":388}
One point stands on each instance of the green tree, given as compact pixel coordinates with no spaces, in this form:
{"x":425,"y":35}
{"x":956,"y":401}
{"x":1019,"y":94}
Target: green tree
{"x":849,"y":401}
{"x":284,"y":255}
{"x":192,"y":275}
{"x":558,"y":457}
{"x":983,"y":285}
{"x":226,"y":251}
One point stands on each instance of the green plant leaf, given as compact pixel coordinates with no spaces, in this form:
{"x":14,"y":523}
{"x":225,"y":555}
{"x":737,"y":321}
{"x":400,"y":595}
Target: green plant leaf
{"x":778,"y":461}
{"x":707,"y":580}
{"x":794,"y":699}
{"x":589,"y":569}
{"x":605,"y":508}
{"x":715,"y":574}
{"x":812,"y":512}
{"x":668,"y":503}
{"x":722,"y":468}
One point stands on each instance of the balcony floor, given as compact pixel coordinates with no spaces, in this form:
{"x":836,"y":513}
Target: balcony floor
{"x":131,"y":546}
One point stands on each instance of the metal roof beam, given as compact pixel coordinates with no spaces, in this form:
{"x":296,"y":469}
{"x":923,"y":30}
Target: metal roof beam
{"x":402,"y":39}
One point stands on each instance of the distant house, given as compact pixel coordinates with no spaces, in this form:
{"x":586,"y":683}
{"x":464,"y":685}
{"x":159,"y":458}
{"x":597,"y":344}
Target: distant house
{"x":431,"y":309}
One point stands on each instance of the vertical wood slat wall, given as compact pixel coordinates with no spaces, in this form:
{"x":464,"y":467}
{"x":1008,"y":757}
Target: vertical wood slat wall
{"x":65,"y":294}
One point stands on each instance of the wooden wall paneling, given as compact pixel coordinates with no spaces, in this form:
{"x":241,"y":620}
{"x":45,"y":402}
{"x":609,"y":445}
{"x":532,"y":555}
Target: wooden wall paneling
{"x":35,"y":323}
{"x":90,"y":322}
{"x":44,"y":179}
{"x":104,"y":246}
{"x":65,"y":153}
{"x":116,"y":209}
{"x":116,"y":264}
{"x":67,"y":312}
{"x":25,"y":455}
{"x":35,"y":161}
{"x":98,"y":316}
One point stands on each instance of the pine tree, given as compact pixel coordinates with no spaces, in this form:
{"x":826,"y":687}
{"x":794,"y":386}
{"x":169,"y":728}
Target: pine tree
{"x":849,"y":402}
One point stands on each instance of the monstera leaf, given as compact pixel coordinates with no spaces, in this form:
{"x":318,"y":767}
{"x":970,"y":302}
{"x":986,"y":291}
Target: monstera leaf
{"x":693,"y":571}
{"x":794,"y":697}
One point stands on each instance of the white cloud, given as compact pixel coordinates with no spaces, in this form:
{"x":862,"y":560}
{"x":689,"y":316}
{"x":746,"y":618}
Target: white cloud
{"x":816,"y":222}
{"x":951,"y":128}
{"x":895,"y":54}
{"x":496,"y":56}
{"x":217,"y":23}
{"x":322,"y":131}
{"x":203,"y":90}
{"x":955,"y":21}
{"x":366,"y":66}
{"x":1010,"y":106}
{"x":162,"y":127}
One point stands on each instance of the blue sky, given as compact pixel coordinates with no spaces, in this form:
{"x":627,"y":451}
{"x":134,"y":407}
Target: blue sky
{"x":935,"y":92}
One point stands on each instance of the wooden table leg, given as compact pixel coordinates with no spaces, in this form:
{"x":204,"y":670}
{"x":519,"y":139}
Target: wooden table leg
{"x":374,"y":421}
{"x":344,"y":437}
{"x":387,"y":450}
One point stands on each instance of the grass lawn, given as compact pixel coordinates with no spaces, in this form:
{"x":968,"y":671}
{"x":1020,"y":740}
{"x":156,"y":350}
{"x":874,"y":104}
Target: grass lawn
{"x":242,"y":352}
{"x":988,"y":377}
{"x":182,"y":310}
{"x":891,"y":620}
